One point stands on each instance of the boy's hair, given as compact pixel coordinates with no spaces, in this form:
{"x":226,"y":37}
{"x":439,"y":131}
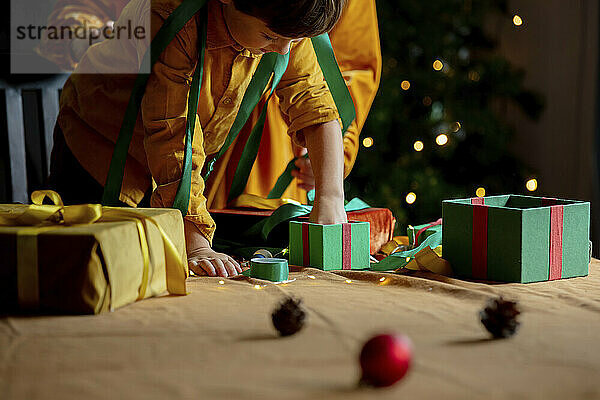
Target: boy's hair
{"x":294,"y":18}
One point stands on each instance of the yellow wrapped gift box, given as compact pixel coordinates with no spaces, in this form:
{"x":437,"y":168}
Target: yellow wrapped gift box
{"x":87,"y":258}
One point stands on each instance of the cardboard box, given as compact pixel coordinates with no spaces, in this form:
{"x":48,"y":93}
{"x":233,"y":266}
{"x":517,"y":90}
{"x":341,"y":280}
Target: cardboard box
{"x":330,"y":247}
{"x":514,"y":238}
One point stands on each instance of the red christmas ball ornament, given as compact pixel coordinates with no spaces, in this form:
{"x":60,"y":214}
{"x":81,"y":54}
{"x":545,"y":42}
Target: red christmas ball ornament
{"x":385,"y":359}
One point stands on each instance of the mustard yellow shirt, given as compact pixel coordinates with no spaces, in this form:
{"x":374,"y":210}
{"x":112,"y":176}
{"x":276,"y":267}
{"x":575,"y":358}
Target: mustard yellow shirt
{"x":93,"y":105}
{"x":355,"y":41}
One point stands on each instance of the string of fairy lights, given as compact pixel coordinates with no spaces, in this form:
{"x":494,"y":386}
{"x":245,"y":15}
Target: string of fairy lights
{"x":443,"y":139}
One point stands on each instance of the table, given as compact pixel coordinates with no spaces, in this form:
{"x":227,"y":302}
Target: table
{"x":218,"y":342}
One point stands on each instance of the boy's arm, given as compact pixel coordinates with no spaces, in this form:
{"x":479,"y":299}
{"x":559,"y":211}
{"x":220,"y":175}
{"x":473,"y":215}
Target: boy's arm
{"x":325,"y":149}
{"x":355,"y":41}
{"x":307,"y":102}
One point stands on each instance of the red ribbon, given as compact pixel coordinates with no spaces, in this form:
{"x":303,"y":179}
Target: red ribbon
{"x":479,"y":239}
{"x":438,"y":222}
{"x":346,"y":246}
{"x":478,"y":200}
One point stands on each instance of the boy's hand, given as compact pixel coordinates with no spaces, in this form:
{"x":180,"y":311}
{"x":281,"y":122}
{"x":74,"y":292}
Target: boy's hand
{"x":203,"y":260}
{"x":206,"y":261}
{"x":304,"y":173}
{"x":328,"y":211}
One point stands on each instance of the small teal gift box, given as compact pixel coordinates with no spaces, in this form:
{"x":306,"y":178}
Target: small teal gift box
{"x":330,"y":247}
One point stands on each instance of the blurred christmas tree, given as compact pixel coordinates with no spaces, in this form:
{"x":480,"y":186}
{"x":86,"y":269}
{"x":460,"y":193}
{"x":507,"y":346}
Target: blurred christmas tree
{"x":434,"y":131}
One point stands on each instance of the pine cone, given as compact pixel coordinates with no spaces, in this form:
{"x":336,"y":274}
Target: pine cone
{"x":500,"y":317}
{"x":289,"y":317}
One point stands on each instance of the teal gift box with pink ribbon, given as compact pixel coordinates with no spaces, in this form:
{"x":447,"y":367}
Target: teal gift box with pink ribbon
{"x":513,"y":238}
{"x":330,"y":247}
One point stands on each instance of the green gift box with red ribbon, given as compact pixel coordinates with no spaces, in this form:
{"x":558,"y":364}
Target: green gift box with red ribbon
{"x":330,"y":247}
{"x":513,"y":238}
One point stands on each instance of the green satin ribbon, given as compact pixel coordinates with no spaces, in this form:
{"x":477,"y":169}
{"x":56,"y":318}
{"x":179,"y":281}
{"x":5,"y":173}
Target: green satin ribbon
{"x":287,"y":212}
{"x":269,"y":269}
{"x":284,"y":179}
{"x":182,"y":197}
{"x":250,"y":151}
{"x":335,"y":80}
{"x":268,"y":63}
{"x":173,"y":24}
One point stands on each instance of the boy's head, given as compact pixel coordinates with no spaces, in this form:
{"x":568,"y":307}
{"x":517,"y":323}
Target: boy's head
{"x":271,"y":25}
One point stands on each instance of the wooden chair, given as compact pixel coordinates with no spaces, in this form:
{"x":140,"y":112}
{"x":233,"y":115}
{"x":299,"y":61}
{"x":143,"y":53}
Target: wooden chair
{"x":28,"y":112}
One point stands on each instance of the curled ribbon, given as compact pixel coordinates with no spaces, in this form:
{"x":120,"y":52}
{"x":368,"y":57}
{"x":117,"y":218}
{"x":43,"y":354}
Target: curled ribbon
{"x":38,"y":217}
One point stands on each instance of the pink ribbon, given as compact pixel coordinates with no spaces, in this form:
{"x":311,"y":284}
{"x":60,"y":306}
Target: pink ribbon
{"x":346,"y":246}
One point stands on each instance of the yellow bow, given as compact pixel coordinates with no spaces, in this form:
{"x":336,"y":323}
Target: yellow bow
{"x":40,"y":214}
{"x":429,"y":260}
{"x":39,"y":218}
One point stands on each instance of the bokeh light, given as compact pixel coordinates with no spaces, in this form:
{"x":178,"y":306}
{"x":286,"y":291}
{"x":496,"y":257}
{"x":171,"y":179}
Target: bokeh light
{"x":441,"y":139}
{"x":532,"y":185}
{"x":474,"y":76}
{"x":517,"y":20}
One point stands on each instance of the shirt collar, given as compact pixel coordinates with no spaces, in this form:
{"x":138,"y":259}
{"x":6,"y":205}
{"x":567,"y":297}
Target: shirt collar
{"x":217,"y":33}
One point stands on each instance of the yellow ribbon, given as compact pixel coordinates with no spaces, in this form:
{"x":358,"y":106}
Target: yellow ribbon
{"x":429,"y":260}
{"x":246,"y":200}
{"x":38,"y":218}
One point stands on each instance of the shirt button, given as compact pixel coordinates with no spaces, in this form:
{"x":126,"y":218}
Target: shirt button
{"x":227,"y":101}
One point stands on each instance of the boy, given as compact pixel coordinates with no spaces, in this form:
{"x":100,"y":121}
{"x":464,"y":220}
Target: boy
{"x":355,"y":40}
{"x":238,"y":33}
